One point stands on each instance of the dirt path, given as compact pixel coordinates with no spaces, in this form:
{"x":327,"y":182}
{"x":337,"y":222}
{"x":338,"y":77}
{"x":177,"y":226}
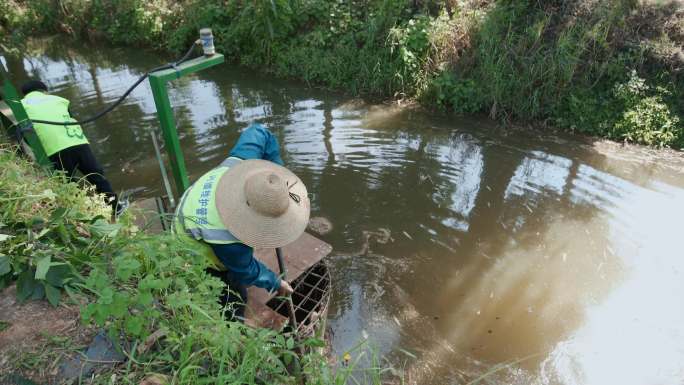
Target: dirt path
{"x":35,"y":337}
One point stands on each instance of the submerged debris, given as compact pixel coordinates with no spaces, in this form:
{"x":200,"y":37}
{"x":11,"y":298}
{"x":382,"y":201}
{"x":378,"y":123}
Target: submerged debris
{"x":320,"y":225}
{"x":381,"y":236}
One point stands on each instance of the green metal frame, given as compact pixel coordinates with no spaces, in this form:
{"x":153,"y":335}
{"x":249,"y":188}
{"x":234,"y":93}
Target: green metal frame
{"x":158,"y":82}
{"x":21,"y":121}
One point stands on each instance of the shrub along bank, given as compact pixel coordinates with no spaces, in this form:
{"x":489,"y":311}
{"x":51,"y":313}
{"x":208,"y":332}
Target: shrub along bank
{"x":606,"y":68}
{"x":56,"y":243}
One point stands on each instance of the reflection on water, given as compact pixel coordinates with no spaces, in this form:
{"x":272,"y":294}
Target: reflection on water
{"x":555,"y":259}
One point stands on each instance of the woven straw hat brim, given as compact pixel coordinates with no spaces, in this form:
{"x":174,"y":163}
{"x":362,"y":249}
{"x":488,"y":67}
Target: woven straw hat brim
{"x":251,"y":227}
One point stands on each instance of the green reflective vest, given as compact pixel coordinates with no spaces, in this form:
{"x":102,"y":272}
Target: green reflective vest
{"x":197,"y":221}
{"x":54,"y":138}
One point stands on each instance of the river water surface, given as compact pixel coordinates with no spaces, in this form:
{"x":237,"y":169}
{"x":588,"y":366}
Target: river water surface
{"x":460,"y":250}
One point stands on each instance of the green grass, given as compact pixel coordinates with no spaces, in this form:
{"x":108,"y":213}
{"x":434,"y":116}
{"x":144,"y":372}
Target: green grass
{"x":549,"y":63}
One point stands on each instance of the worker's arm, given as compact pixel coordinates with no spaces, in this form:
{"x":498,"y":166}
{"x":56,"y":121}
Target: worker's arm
{"x":240,"y":262}
{"x":257,"y":142}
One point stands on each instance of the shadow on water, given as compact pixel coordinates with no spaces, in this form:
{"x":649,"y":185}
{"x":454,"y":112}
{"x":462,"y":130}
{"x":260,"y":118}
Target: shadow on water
{"x":463,"y":244}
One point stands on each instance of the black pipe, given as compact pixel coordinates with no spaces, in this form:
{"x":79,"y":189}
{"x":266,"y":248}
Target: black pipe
{"x":121,"y":99}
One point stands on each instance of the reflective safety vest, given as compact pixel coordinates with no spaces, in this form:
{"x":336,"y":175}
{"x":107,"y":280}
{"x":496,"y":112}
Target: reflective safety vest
{"x":197,"y":220}
{"x":41,"y":106}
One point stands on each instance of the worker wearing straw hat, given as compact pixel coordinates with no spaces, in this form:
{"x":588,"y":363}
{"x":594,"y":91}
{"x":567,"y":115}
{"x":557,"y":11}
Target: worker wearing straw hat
{"x":248,"y":201}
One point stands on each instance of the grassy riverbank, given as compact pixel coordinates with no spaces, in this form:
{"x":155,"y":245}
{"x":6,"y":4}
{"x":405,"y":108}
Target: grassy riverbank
{"x":605,"y":68}
{"x":57,"y":244}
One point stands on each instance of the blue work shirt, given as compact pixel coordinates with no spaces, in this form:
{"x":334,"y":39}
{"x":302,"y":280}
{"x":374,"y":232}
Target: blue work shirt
{"x":256,"y":142}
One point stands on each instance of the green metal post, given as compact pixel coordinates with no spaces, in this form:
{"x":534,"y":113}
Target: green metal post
{"x":22,"y":122}
{"x":158,"y":82}
{"x":168,"y":125}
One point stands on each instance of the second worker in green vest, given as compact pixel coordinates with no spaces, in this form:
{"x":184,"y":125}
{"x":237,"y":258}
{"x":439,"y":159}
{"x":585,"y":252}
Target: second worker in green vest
{"x":65,"y":145}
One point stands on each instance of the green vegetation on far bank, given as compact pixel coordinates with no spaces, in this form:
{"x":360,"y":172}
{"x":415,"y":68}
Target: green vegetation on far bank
{"x":605,"y":68}
{"x":57,"y":244}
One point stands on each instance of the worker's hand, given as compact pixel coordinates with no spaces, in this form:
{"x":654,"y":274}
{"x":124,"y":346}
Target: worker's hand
{"x":285,"y":288}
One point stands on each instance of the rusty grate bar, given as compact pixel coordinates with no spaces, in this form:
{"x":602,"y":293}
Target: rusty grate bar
{"x":308,"y":298}
{"x":311,"y":296}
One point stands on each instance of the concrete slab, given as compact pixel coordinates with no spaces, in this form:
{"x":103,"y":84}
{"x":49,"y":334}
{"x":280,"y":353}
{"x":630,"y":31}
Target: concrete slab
{"x":147,"y":217}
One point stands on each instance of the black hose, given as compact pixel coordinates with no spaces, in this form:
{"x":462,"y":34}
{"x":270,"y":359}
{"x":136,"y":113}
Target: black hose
{"x":122,"y":97}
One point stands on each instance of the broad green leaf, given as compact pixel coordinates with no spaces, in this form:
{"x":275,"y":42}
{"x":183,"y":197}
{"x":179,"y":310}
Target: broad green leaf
{"x":151,"y":313}
{"x":58,"y":274}
{"x":125,"y":267}
{"x":63,"y":234}
{"x":174,"y":301}
{"x":96,"y":280}
{"x":4,"y":265}
{"x":119,"y":306}
{"x":106,"y":296}
{"x":180,"y":282}
{"x":42,"y":267}
{"x":144,"y":298}
{"x":58,"y":213}
{"x":102,"y":228}
{"x":4,"y":237}
{"x":154,"y":283}
{"x":101,"y":314}
{"x":26,"y":283}
{"x":53,"y":294}
{"x":114,"y":333}
{"x":87,"y":312}
{"x":38,"y":291}
{"x":134,"y":325}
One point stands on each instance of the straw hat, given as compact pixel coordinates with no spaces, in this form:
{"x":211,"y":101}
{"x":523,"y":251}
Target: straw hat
{"x":262,"y":204}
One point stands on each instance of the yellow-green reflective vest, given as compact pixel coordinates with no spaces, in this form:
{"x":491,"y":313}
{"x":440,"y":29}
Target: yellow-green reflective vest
{"x":54,"y":138}
{"x":197,"y":221}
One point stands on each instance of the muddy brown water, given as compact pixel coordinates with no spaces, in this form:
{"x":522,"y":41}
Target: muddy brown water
{"x":461,"y":250}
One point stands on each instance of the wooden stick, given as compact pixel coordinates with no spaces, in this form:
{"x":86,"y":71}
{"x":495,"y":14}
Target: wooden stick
{"x":290,"y":304}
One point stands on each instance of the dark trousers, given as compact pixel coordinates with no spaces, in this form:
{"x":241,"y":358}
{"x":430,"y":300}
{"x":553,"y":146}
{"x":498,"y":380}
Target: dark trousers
{"x":234,"y":294}
{"x":81,"y":158}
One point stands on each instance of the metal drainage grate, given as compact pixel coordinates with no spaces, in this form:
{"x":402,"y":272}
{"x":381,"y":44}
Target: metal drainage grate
{"x":310,"y":298}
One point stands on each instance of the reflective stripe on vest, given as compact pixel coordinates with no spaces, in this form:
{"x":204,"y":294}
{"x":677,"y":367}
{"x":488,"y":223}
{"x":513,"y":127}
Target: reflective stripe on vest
{"x":197,"y":214}
{"x":54,"y":138}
